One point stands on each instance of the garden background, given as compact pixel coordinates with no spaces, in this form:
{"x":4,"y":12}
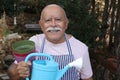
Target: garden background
{"x":94,"y":22}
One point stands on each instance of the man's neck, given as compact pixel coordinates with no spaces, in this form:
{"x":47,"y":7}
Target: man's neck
{"x":60,"y":41}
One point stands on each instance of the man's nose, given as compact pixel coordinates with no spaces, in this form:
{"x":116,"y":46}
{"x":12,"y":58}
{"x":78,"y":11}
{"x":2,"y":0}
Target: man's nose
{"x":53,"y":23}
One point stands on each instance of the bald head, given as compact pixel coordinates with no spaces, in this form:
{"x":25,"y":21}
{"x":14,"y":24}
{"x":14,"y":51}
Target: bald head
{"x":54,"y":23}
{"x":53,"y":8}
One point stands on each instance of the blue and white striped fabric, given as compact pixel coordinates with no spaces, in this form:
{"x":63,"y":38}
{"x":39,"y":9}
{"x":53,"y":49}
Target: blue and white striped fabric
{"x":71,"y":73}
{"x":63,"y":60}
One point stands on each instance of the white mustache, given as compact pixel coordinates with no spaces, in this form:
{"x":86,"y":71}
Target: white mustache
{"x":53,"y":29}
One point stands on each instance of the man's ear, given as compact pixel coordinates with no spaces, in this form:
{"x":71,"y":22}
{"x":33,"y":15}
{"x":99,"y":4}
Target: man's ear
{"x":40,"y":23}
{"x":67,"y":22}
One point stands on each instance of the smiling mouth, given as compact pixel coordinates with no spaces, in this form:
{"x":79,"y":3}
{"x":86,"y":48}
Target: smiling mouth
{"x":53,"y":30}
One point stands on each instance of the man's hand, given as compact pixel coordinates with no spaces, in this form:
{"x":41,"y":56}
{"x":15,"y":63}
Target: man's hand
{"x":23,"y":69}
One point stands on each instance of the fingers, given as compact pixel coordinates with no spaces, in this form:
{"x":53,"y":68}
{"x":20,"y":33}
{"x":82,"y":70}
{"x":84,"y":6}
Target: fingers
{"x":29,"y":63}
{"x":23,"y":69}
{"x":24,"y":74}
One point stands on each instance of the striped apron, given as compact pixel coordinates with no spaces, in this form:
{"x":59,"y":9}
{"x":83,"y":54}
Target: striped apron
{"x":63,"y":60}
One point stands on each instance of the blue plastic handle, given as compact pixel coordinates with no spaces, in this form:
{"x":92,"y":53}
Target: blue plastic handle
{"x":37,"y":54}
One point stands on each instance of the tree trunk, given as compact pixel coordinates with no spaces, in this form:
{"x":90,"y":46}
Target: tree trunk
{"x":117,"y":26}
{"x":118,"y":57}
{"x":104,"y":25}
{"x":112,"y":26}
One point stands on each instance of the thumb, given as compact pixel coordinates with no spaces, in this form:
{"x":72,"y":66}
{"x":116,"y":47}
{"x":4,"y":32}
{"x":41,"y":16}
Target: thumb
{"x":29,"y":63}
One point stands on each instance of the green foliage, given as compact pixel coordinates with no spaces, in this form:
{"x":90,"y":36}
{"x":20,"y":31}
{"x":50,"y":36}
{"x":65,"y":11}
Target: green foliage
{"x":8,"y":7}
{"x":6,"y":32}
{"x":1,"y":8}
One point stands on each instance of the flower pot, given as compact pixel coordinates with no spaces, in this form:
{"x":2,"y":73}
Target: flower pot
{"x":22,"y":48}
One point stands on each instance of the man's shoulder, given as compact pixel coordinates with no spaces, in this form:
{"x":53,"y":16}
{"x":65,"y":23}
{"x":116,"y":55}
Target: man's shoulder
{"x":77,"y":42}
{"x":37,"y":37}
{"x":78,"y":47}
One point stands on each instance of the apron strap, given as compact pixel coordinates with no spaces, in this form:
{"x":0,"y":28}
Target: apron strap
{"x":42,"y":46}
{"x":68,"y":45}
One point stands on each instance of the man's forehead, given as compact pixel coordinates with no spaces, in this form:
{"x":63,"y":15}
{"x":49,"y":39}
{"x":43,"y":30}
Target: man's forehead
{"x":53,"y":9}
{"x":53,"y":6}
{"x":52,"y":13}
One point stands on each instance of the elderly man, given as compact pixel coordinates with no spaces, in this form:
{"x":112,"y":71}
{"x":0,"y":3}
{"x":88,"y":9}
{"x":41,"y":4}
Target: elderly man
{"x":63,"y":47}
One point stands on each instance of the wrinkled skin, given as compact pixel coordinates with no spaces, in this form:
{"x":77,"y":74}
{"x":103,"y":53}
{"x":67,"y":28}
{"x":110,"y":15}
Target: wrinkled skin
{"x":20,"y":70}
{"x":23,"y":69}
{"x":54,"y":18}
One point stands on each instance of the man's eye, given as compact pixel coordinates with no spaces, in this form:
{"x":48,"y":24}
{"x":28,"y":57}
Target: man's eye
{"x":58,"y":19}
{"x":47,"y":20}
